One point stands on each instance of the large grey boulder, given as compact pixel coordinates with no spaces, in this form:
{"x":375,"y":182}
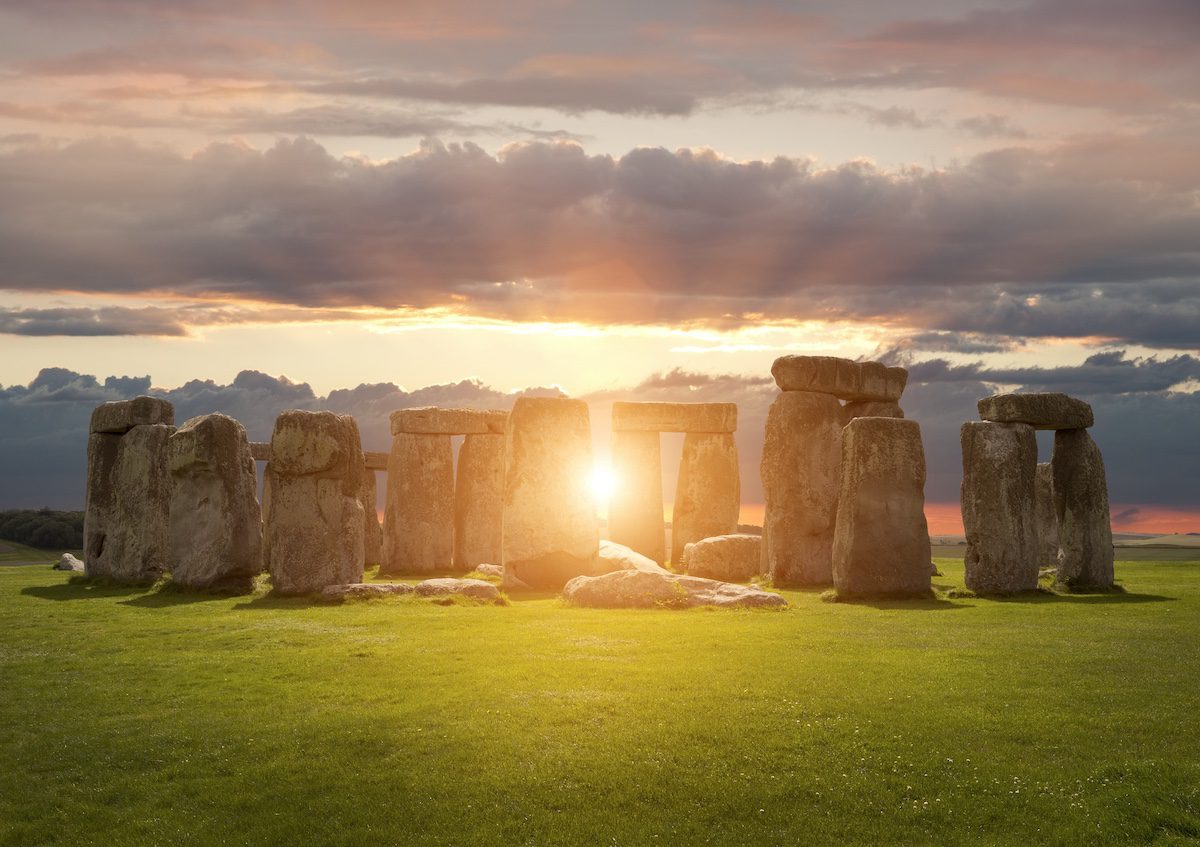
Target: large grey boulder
{"x":845,"y":379}
{"x":313,"y":535}
{"x":68,"y":562}
{"x":637,"y":589}
{"x":479,"y":501}
{"x":1044,"y":519}
{"x":214,"y":532}
{"x":1038,"y":410}
{"x":708,"y":494}
{"x":419,"y":512}
{"x":550,"y":529}
{"x":881,"y":539}
{"x":800,"y":476}
{"x":730,"y":558}
{"x":1085,"y":558}
{"x":635,"y":510}
{"x":999,"y":468}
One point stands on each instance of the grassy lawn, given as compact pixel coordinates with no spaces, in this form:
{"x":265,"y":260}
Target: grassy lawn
{"x":133,"y":716}
{"x":12,"y":553}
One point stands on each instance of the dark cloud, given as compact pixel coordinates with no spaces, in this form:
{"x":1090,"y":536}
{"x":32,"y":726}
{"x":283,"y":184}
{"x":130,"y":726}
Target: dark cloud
{"x":1103,"y":373}
{"x":85,"y":321}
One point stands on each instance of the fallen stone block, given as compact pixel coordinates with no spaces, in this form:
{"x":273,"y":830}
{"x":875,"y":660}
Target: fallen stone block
{"x":730,"y":558}
{"x":637,"y":589}
{"x":68,"y":563}
{"x":477,"y":589}
{"x":365,"y":591}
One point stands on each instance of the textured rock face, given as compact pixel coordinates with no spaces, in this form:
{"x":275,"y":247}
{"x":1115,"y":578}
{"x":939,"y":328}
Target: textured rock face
{"x":674,"y":417}
{"x":214,"y":533}
{"x":550,"y":529}
{"x":632,"y":589}
{"x":617,"y":557}
{"x":843,"y":378}
{"x":731,"y":558}
{"x":478,"y":501}
{"x":635,"y":510}
{"x":313,"y":535}
{"x":67,"y":562}
{"x":1040,"y":411}
{"x":999,"y":467}
{"x":800,"y":461}
{"x":372,"y":531}
{"x":881,"y":540}
{"x":708,"y":494}
{"x":128,"y":498}
{"x":419,"y":514}
{"x":476,"y":588}
{"x":1085,"y":558}
{"x":871,"y":410}
{"x":1044,"y":519}
{"x":432,"y":420}
{"x":120,"y":416}
{"x":365,"y":591}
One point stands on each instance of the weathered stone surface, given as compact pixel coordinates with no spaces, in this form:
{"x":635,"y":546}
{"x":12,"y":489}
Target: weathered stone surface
{"x":214,"y":532}
{"x":881,"y":539}
{"x":635,"y":510}
{"x":871,"y":409}
{"x":731,"y":558}
{"x":372,"y":531}
{"x":1038,"y":410}
{"x":1085,"y":558}
{"x":999,"y":466}
{"x":418,"y":528}
{"x":478,"y":501}
{"x":260,"y":450}
{"x":637,"y":589}
{"x":68,"y":563}
{"x":639,"y":416}
{"x":128,"y":497}
{"x":476,"y":588}
{"x":432,"y":420}
{"x":617,"y":557}
{"x":800,"y":460}
{"x":1045,"y":521}
{"x":120,"y":416}
{"x":375,"y":461}
{"x":709,"y":491}
{"x":488,"y":569}
{"x":550,"y":529}
{"x":845,"y":379}
{"x":313,"y":535}
{"x":365,"y":591}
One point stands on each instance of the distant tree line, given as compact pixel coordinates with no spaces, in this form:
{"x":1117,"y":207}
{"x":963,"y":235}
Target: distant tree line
{"x":43,"y":528}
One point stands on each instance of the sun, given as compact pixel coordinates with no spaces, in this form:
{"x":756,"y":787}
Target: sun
{"x":602,"y":482}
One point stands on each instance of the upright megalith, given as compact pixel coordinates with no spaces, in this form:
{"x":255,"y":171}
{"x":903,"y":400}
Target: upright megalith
{"x":313,"y":535}
{"x":1044,"y":519}
{"x":800,"y":476}
{"x":881,"y":539}
{"x":419,"y":513}
{"x":214,"y":533}
{"x":999,"y":470}
{"x":708,"y":494}
{"x":128,"y":489}
{"x":372,"y":532}
{"x":550,"y":531}
{"x":635,"y":510}
{"x":1085,"y":558}
{"x":478,"y":500}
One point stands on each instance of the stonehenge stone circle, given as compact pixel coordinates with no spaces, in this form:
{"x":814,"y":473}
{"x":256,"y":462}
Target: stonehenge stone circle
{"x":800,"y":475}
{"x":708,"y":495}
{"x":1044,"y":519}
{"x":843,"y":378}
{"x":128,"y":490}
{"x":881,"y":539}
{"x":478,"y":501}
{"x":999,"y":470}
{"x":419,"y":511}
{"x":214,"y":530}
{"x":635,"y":511}
{"x":313,"y":535}
{"x":1085,"y":558}
{"x":730,"y":558}
{"x":1039,"y":410}
{"x":550,"y":530}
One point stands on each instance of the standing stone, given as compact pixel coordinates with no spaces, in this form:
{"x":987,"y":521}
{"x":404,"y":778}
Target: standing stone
{"x":881,"y":540}
{"x":800,"y":477}
{"x":999,"y":469}
{"x":550,"y":529}
{"x":478,"y":501}
{"x":708,"y":494}
{"x":372,"y":531}
{"x":1085,"y":558}
{"x":635,"y":510}
{"x":313,"y":535}
{"x":419,"y":514}
{"x":214,"y":533}
{"x":870,"y":409}
{"x":1044,"y":519}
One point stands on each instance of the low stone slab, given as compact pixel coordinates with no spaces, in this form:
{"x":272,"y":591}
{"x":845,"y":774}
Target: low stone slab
{"x":618,"y":557}
{"x":732,"y":558}
{"x":845,"y":379}
{"x":365,"y":591}
{"x":432,"y":420}
{"x":634,"y":589}
{"x":1039,"y":410}
{"x":68,"y":563}
{"x":488,"y":569}
{"x":475,"y":588}
{"x":629,"y":416}
{"x":120,"y":416}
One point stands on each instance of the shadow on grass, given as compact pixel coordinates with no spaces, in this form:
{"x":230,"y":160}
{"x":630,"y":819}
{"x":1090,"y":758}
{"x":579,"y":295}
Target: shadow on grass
{"x":1043,"y":595}
{"x":82,"y":590}
{"x":169,"y":595}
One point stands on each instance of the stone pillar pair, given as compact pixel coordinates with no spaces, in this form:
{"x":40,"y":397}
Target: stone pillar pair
{"x":708,"y":491}
{"x":1011,"y":529}
{"x":432,"y":520}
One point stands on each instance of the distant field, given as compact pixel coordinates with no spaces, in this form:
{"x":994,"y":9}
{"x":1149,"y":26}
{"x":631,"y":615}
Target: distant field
{"x":135,"y":716}
{"x":12,"y":553}
{"x":1141,"y":553}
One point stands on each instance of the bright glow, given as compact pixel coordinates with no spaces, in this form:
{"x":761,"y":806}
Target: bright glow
{"x":603,"y":483}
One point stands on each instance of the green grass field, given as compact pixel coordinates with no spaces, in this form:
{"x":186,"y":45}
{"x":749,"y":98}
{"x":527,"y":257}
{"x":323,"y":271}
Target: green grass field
{"x":12,"y":553}
{"x":139,"y":717}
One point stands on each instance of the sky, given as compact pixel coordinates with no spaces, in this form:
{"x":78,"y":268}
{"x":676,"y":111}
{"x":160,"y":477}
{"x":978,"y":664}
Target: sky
{"x":376,"y":203}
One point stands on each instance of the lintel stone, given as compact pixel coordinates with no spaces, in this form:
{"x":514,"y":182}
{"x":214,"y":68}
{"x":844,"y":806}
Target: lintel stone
{"x":1040,"y":410}
{"x":847,"y":380}
{"x":433,"y":420}
{"x":120,"y":416}
{"x":628,"y":416}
